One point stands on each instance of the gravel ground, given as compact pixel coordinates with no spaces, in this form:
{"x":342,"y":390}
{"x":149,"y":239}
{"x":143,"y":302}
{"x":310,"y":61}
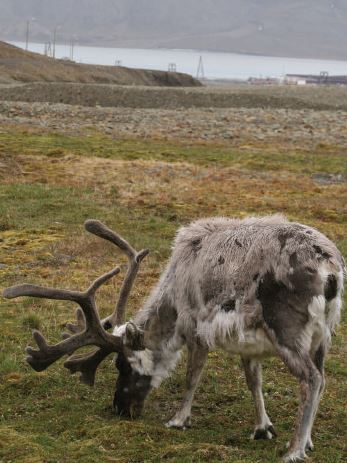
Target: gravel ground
{"x":292,"y":128}
{"x":148,"y":97}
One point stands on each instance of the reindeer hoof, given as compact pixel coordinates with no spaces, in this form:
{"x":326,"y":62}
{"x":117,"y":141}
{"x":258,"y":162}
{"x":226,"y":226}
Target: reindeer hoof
{"x":295,"y":457}
{"x":309,"y":445}
{"x":264,"y":433}
{"x":179,"y":423}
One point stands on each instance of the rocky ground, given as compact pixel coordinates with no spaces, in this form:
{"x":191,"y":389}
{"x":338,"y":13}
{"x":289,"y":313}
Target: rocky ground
{"x":289,"y":116}
{"x":295,"y":128}
{"x":184,"y":95}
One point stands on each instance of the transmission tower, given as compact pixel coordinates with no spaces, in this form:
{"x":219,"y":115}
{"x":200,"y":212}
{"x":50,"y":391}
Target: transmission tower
{"x":200,"y":72}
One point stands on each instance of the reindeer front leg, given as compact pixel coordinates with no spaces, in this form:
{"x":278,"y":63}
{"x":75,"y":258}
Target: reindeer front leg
{"x":263,"y":426}
{"x":197,"y":356}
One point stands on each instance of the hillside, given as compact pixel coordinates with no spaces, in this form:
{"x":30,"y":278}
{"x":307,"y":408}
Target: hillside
{"x":310,"y":28}
{"x":19,"y":65}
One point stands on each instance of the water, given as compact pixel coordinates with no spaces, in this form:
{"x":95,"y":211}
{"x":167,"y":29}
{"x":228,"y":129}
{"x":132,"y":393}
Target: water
{"x":216,"y":65}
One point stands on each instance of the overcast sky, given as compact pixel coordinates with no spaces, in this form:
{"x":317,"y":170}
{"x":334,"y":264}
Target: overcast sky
{"x":303,"y":28}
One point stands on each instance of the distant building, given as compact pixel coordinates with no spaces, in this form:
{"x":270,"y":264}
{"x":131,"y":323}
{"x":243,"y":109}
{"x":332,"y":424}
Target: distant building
{"x":322,"y":79}
{"x":291,"y":79}
{"x":263,"y":81}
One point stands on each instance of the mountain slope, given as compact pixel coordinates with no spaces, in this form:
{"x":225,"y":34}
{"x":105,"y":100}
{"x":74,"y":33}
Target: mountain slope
{"x":309,"y":28}
{"x":23,"y":66}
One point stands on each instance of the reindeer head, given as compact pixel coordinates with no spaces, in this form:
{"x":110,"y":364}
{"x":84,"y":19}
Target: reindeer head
{"x":134,"y":380}
{"x":135,"y":365}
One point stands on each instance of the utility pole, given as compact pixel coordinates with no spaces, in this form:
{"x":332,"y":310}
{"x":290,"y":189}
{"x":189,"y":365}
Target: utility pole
{"x":72,"y":47}
{"x":55,"y":39}
{"x":27,"y":36}
{"x":48,"y":49}
{"x":28,"y":33}
{"x":200,"y":72}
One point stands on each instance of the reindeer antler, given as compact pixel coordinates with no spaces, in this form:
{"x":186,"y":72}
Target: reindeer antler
{"x":135,"y":258}
{"x":92,"y":334}
{"x":88,"y":330}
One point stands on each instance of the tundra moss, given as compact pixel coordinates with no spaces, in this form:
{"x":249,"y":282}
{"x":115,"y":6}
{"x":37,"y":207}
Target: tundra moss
{"x":51,"y":416}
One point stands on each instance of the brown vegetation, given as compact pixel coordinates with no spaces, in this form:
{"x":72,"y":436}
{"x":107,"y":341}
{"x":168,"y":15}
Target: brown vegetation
{"x":19,"y":65}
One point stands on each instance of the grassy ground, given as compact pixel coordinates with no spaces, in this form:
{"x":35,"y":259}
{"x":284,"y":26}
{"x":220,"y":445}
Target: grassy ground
{"x":49,"y":184}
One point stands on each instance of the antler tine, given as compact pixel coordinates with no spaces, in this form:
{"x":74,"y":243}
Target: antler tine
{"x":101,"y":280}
{"x":77,"y":327}
{"x":135,"y":258}
{"x":80,"y":319}
{"x":93,"y":334}
{"x":86,"y":364}
{"x":42,"y":292}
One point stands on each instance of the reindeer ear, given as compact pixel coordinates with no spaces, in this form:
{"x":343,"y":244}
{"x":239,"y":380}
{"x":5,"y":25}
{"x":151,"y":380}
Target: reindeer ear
{"x":134,"y":337}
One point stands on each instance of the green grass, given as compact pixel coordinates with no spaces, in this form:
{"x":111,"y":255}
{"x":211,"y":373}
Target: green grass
{"x":324,"y":159}
{"x":50,"y":416}
{"x":40,"y":206}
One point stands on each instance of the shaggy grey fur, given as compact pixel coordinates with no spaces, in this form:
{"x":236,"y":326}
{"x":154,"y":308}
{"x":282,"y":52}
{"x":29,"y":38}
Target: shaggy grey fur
{"x":256,"y":287}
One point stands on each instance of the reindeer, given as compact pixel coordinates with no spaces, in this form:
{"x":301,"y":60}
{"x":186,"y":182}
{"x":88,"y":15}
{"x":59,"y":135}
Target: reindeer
{"x":256,"y":287}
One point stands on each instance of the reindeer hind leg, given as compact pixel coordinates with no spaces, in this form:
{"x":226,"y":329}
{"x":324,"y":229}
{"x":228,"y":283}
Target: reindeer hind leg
{"x":311,"y":382}
{"x":318,"y":357}
{"x":290,"y":319}
{"x":263,"y":426}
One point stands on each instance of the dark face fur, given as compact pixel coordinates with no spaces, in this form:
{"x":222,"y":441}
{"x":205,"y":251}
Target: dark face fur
{"x":131,"y":389}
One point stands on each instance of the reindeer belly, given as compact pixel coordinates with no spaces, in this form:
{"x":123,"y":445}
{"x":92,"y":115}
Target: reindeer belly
{"x":227,"y":331}
{"x":254,"y":343}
